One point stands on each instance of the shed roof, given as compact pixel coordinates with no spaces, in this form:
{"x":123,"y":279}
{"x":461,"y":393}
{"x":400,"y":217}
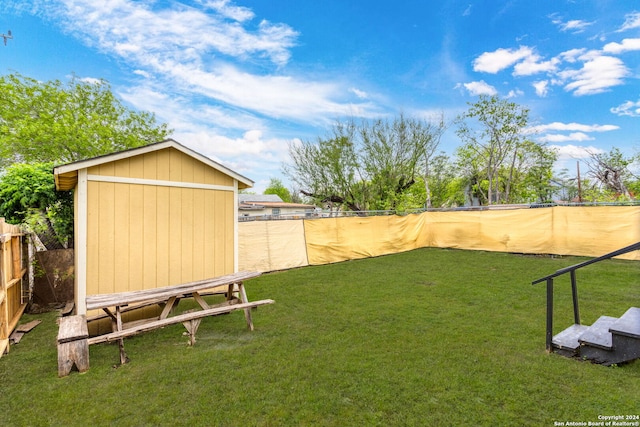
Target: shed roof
{"x":66,"y":176}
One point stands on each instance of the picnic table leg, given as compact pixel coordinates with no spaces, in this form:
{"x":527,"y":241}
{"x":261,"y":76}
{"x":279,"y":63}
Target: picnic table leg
{"x":123,"y":356}
{"x":168,"y":307}
{"x":232,"y":292}
{"x":247,"y":311}
{"x":192,"y":327}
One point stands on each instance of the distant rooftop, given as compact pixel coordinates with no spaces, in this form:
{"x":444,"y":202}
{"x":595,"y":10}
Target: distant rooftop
{"x":259,"y":198}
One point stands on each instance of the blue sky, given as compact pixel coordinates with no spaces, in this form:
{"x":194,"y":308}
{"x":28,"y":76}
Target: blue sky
{"x":240,"y":80}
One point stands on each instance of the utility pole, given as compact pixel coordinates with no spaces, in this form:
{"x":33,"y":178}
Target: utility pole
{"x":579,"y":184}
{"x":7,"y":36}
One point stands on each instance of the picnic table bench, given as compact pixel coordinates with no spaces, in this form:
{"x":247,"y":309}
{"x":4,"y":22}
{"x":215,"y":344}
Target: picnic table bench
{"x":114,"y":305}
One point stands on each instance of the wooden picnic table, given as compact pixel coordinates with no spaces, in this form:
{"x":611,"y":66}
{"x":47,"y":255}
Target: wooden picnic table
{"x":114,"y":304}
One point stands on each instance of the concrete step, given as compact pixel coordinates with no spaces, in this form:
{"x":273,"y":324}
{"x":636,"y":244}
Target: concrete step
{"x":608,"y":341}
{"x":598,"y":335}
{"x":628,"y":324}
{"x":611,"y":341}
{"x":566,"y":342}
{"x":596,"y":343}
{"x":626,"y":336}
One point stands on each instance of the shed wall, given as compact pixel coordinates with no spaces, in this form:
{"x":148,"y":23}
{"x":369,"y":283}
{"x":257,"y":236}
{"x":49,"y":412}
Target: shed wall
{"x":141,"y":236}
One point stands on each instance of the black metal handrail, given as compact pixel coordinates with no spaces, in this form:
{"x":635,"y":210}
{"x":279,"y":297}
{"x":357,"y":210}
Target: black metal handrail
{"x":574,"y":287}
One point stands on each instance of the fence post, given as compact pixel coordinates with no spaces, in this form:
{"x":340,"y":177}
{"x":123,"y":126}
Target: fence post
{"x":549,"y":314}
{"x":4,"y":300}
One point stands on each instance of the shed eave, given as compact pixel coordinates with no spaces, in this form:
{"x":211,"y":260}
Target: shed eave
{"x":65,"y":181}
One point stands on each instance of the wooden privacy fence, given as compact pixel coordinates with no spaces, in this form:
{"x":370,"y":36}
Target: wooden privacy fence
{"x":13,"y":266}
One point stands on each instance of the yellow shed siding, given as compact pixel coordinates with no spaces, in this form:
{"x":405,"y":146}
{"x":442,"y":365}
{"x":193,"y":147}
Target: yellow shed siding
{"x":164,"y":165}
{"x":141,"y":236}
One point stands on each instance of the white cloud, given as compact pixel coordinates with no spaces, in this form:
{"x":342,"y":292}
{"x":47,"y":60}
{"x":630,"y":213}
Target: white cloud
{"x":574,"y":26}
{"x":479,"y":88}
{"x":575,"y":136}
{"x":91,"y":80}
{"x":541,"y":87}
{"x":223,"y":7}
{"x":493,"y":62}
{"x":573,"y":127}
{"x":628,"y":108}
{"x":631,"y":21}
{"x":596,"y":75}
{"x":572,"y":55}
{"x":626,"y":46}
{"x":201,"y":53}
{"x":252,"y":142}
{"x":570,"y":151}
{"x":359,"y":93}
{"x":183,"y":114}
{"x":137,"y":32}
{"x":514,"y":93}
{"x":532,"y":65}
{"x":274,"y":96}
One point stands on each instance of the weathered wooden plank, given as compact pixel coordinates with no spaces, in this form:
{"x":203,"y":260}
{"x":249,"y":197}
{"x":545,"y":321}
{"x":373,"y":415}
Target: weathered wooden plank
{"x":16,"y":245}
{"x":125,"y":309}
{"x":13,"y":282}
{"x":72,"y":328}
{"x":16,"y":337}
{"x":16,"y":317}
{"x":130,"y":297}
{"x":175,"y":319}
{"x":27,"y":327}
{"x":67,"y":309}
{"x":123,"y":356}
{"x":247,"y":311}
{"x":73,"y":347}
{"x":73,"y":353}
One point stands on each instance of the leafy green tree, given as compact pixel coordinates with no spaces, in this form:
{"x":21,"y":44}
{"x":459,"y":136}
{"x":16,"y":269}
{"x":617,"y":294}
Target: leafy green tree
{"x":28,"y":196}
{"x":447,"y":189}
{"x":502,"y":165}
{"x":276,"y":187}
{"x":365,"y":166}
{"x":67,"y":121}
{"x":47,"y":123}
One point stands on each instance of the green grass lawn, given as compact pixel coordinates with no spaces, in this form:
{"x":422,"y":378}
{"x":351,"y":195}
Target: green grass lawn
{"x":431,"y":337}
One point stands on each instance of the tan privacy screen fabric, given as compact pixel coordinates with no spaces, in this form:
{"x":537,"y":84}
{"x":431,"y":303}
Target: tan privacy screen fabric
{"x":585,"y":231}
{"x":521,"y":230}
{"x":271,"y":245}
{"x":339,"y":239}
{"x":594,"y":231}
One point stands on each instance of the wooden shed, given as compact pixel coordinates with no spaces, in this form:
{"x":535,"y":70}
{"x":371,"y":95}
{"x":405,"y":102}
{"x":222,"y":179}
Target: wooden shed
{"x":153,"y":216}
